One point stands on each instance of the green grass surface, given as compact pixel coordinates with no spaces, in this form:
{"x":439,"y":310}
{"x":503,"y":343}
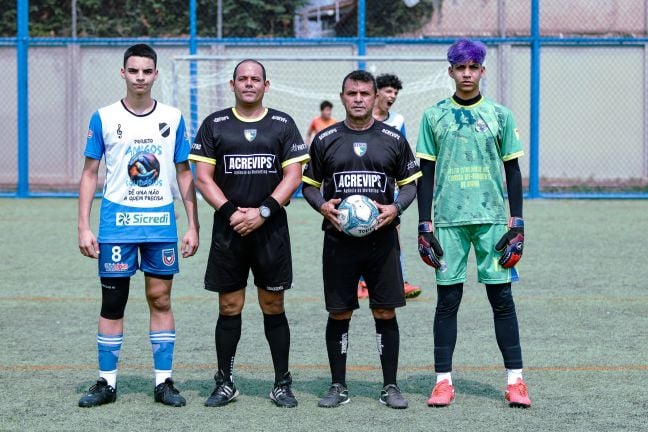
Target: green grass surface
{"x":582,"y":305}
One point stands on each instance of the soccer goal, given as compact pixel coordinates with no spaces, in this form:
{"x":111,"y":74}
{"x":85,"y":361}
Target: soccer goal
{"x":298,"y":83}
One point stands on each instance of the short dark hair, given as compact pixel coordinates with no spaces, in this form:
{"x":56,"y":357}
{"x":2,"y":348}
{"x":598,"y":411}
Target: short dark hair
{"x":325,"y":104}
{"x":140,"y":50}
{"x":362,"y":76}
{"x":246,"y":61}
{"x":389,"y":80}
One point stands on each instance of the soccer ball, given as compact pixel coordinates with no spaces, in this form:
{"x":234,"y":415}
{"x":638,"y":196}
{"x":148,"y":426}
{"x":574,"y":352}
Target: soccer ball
{"x":358,"y":215}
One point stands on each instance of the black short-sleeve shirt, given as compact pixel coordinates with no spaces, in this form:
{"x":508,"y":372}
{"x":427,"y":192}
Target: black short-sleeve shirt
{"x":370,"y":162}
{"x":249,"y":155}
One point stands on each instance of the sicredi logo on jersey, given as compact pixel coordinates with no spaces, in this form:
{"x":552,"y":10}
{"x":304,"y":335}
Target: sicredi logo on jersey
{"x":142,"y":219}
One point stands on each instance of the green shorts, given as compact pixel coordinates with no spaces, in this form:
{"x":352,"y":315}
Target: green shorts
{"x":456,"y":242}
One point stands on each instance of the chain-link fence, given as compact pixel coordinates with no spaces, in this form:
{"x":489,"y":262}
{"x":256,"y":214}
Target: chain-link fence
{"x":590,"y":105}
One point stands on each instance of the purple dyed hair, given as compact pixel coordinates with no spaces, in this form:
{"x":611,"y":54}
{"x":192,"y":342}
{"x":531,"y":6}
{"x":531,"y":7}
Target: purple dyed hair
{"x":466,"y":50}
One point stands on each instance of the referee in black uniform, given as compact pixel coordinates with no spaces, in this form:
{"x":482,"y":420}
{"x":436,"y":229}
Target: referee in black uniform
{"x":361,"y":156}
{"x":248,"y":164}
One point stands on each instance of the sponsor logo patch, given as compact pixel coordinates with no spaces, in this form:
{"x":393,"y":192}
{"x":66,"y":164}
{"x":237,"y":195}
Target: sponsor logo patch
{"x":165,"y":130}
{"x":115,"y":267}
{"x":89,"y":133}
{"x":250,"y":134}
{"x":142,"y":219}
{"x":250,"y":164}
{"x":168,"y":257}
{"x":360,"y":182}
{"x":360,"y":148}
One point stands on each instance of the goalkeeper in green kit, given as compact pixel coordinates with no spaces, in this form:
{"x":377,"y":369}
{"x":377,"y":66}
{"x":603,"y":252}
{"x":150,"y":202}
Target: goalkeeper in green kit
{"x":463,"y":142}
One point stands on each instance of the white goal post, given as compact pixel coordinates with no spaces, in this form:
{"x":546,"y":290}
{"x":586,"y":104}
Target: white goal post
{"x":298,"y":83}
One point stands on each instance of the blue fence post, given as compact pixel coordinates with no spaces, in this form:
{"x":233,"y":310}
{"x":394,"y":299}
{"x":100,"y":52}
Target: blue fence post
{"x":534,"y":132}
{"x":22,"y":52}
{"x":362,"y":32}
{"x":193,"y":67}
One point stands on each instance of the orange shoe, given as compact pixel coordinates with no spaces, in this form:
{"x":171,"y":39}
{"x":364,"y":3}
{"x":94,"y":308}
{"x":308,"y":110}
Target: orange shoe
{"x":517,"y":394}
{"x":442,"y":394}
{"x":363,"y":293}
{"x":411,"y":291}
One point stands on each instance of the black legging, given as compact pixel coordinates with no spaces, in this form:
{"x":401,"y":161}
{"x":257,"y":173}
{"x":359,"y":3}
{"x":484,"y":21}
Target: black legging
{"x":504,"y":317}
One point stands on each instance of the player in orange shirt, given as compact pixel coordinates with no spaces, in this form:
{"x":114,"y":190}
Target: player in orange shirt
{"x":323,"y":121}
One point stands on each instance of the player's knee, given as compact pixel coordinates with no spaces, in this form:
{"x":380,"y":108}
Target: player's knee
{"x":114,"y":296}
{"x":500,"y":297}
{"x":271,"y":303}
{"x":230,"y":304}
{"x":338,"y":316}
{"x":449,"y":298}
{"x":383,"y":314}
{"x":160,"y":302}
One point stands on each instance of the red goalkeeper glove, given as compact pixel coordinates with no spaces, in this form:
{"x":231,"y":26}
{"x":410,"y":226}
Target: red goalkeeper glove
{"x":512,"y":243}
{"x":428,"y":246}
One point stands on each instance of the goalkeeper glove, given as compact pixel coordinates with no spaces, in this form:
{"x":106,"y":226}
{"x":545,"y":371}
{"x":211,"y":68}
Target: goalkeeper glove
{"x":512,"y":243}
{"x":428,"y":245}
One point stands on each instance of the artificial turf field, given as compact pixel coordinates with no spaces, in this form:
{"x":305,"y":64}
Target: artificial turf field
{"x":582,"y":305}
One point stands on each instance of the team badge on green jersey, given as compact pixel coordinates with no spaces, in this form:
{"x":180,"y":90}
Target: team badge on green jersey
{"x":250,"y":134}
{"x":360,"y":148}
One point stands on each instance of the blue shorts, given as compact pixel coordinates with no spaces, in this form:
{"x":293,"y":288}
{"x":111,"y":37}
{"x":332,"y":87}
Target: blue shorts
{"x":121,"y":259}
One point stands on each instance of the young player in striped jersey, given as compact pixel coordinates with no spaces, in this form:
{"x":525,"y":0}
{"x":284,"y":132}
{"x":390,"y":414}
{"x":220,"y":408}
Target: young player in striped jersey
{"x":463,"y":141}
{"x":145,"y":146}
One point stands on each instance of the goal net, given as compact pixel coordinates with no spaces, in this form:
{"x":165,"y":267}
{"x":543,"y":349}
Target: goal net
{"x":199,"y":85}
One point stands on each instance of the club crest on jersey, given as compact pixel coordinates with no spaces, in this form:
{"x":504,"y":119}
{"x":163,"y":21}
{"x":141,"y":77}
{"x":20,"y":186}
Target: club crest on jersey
{"x":250,"y":134}
{"x":165,"y":129}
{"x":481,"y":126}
{"x":168,"y":257}
{"x":360,"y":148}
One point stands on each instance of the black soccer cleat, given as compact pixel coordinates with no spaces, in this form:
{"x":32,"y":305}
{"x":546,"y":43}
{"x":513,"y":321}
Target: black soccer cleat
{"x":99,"y":394}
{"x":336,"y":395}
{"x":224,"y":393}
{"x":167,"y":394}
{"x":391,"y":396}
{"x":282,"y":394}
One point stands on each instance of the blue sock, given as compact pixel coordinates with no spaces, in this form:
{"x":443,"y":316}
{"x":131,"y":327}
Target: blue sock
{"x":108,"y":347}
{"x":162,"y":344}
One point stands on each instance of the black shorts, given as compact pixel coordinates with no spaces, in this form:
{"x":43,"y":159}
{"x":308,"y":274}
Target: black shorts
{"x":265,"y":251}
{"x":375,"y":257}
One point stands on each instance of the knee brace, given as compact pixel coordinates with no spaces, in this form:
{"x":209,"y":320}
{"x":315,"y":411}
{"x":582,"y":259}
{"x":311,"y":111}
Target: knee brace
{"x":114,"y":295}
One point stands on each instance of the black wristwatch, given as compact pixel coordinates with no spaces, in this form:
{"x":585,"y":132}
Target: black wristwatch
{"x":399,"y":207}
{"x":265,"y":212}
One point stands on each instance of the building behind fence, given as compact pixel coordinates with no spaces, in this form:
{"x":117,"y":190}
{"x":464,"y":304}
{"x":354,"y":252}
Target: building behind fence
{"x":588,"y":104}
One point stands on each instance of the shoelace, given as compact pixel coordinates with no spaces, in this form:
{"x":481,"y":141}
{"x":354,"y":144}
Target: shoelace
{"x":521,"y":388}
{"x":97,"y":386}
{"x":224,"y":390}
{"x":283,"y":390}
{"x":333,"y":390}
{"x":441,"y":389}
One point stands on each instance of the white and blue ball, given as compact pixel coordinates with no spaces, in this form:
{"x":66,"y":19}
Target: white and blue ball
{"x":358,"y":215}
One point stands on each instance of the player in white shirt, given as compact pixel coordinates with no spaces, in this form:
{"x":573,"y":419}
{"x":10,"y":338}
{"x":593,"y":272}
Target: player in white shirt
{"x":145,"y":145}
{"x":388,"y":87}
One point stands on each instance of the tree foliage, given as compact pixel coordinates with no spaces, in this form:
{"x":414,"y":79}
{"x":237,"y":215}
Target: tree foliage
{"x":155,"y":18}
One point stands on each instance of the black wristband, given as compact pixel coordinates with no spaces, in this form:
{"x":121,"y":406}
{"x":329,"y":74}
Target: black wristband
{"x":227,"y":210}
{"x":272,"y":204}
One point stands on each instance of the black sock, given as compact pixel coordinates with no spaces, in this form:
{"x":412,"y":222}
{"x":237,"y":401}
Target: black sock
{"x":277,"y":333}
{"x":445,"y":325}
{"x":388,"y":341}
{"x":227,"y":335}
{"x":506,"y":324}
{"x":337,"y":340}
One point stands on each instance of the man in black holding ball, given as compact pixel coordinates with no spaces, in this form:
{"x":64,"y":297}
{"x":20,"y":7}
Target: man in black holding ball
{"x":361,"y":156}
